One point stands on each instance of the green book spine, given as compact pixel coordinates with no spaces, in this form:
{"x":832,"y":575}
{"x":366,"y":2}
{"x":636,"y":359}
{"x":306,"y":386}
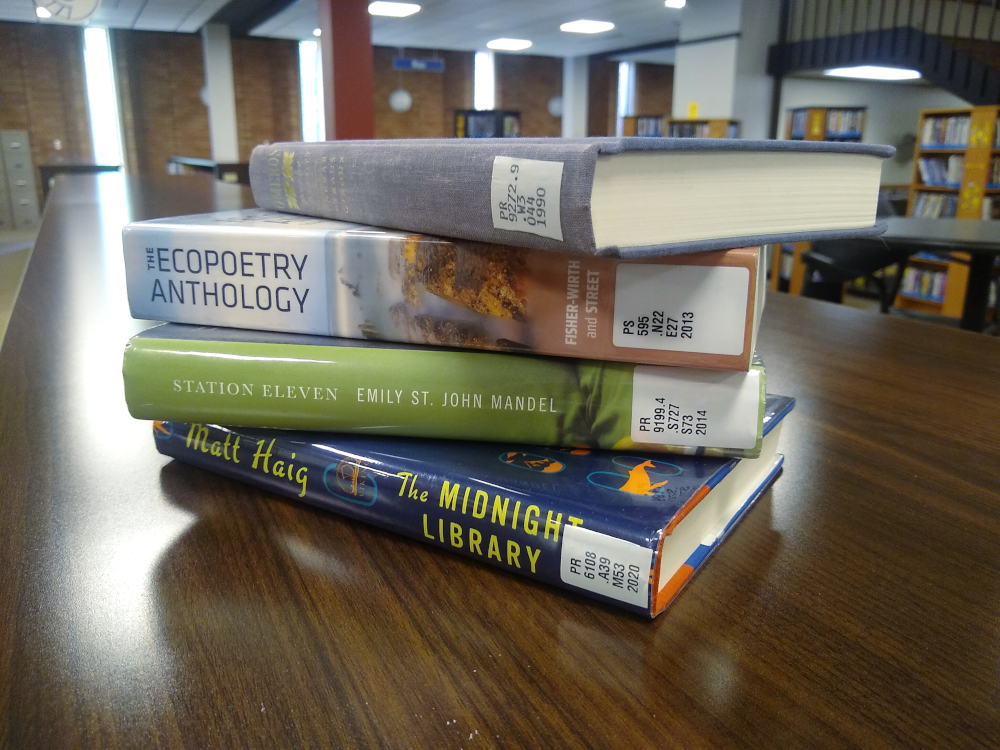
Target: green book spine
{"x":256,"y":379}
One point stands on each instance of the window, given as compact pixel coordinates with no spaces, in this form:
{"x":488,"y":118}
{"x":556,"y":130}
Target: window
{"x":101,"y":97}
{"x":484,"y":83}
{"x":311,"y":82}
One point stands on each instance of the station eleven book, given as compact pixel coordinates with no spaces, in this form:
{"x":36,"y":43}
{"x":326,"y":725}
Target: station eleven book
{"x":276,"y":271}
{"x":628,"y":529}
{"x":293,"y":381}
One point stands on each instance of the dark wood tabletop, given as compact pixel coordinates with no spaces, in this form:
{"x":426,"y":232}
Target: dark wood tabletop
{"x":147,"y":603}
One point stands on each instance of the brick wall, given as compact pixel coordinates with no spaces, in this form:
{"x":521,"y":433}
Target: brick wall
{"x":160,"y":77}
{"x":526,"y":83}
{"x":654,"y":89}
{"x":42,"y":91}
{"x":268,"y":98}
{"x":436,"y":96}
{"x":602,"y":97}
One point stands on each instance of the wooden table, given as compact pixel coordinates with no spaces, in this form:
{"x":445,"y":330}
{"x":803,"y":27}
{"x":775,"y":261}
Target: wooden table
{"x":147,"y":603}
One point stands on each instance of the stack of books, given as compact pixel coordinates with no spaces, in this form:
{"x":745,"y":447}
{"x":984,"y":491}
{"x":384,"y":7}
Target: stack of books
{"x":537,"y":353}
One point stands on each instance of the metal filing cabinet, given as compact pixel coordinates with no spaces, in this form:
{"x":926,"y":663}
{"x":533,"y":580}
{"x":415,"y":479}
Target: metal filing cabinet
{"x":6,"y":210}
{"x":20,"y":174}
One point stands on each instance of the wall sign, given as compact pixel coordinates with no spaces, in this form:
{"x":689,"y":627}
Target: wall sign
{"x":423,"y":64}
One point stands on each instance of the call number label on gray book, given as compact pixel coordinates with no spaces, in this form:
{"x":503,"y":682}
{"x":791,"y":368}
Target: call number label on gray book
{"x":524,"y":196}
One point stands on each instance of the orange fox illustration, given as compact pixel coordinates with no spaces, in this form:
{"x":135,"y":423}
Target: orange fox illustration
{"x":638,"y":480}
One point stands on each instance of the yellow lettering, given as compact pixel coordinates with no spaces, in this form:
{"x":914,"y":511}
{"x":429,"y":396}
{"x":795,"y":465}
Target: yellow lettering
{"x":475,"y":505}
{"x":429,"y":536}
{"x":513,"y":553}
{"x":499,"y":510}
{"x":494,"y":550}
{"x":258,"y":455}
{"x":405,"y":475}
{"x":474,"y":539}
{"x":200,"y":435}
{"x":554,"y":525}
{"x":533,"y":558}
{"x":448,"y":499}
{"x":530,"y":526}
{"x":456,"y":535}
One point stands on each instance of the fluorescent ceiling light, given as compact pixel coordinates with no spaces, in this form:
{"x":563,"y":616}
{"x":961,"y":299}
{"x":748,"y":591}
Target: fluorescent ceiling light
{"x":874,"y":73}
{"x":675,"y":4}
{"x":396,"y":10}
{"x":317,"y":32}
{"x":511,"y":45}
{"x":42,"y":12}
{"x":587,"y":27}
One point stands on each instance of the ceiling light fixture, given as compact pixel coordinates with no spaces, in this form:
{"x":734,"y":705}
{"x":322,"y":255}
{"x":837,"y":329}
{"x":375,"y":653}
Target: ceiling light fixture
{"x":874,"y":73}
{"x":317,"y":32}
{"x":675,"y":4}
{"x":587,"y":27}
{"x":510,"y":45}
{"x":42,"y":12}
{"x":396,"y":10}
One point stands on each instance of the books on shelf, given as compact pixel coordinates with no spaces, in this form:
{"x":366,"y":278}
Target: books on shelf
{"x":993,"y":179}
{"x":844,"y":123}
{"x":632,"y":197}
{"x":935,"y":205}
{"x":284,"y":272}
{"x":290,"y":381}
{"x":628,"y":529}
{"x":990,"y":208}
{"x":703,"y":129}
{"x":642,"y":126}
{"x":924,"y":284}
{"x":949,"y":131}
{"x":942,"y":171}
{"x":826,"y":124}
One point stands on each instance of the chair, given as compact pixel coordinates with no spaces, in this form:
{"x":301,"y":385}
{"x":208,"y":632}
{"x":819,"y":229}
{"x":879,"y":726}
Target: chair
{"x":840,"y":261}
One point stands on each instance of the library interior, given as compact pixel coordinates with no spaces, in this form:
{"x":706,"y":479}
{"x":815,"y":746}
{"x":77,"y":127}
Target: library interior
{"x":149,"y":603}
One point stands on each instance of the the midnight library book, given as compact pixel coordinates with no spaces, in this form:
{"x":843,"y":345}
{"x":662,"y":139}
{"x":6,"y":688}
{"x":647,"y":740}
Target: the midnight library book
{"x":626,"y":528}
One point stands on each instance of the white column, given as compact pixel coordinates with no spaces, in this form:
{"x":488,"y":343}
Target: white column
{"x":705,"y":71}
{"x":721,"y":62}
{"x":220,"y":93}
{"x":574,"y":96}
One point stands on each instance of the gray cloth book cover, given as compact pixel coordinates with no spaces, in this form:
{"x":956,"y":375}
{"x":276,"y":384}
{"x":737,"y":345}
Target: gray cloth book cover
{"x":477,"y":188}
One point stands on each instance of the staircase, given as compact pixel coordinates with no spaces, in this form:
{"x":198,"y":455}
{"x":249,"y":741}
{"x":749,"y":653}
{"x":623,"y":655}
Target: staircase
{"x":955,"y":44}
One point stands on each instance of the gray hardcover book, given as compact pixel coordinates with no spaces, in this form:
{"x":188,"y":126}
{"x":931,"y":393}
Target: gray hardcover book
{"x":627,"y":197}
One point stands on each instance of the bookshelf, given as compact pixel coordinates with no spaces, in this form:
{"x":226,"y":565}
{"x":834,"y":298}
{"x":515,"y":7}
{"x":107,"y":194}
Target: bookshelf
{"x":844,"y":124}
{"x":956,"y":166}
{"x":703,"y":128}
{"x":658,"y":125}
{"x":826,"y":124}
{"x":643,"y":125}
{"x":487,"y":123}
